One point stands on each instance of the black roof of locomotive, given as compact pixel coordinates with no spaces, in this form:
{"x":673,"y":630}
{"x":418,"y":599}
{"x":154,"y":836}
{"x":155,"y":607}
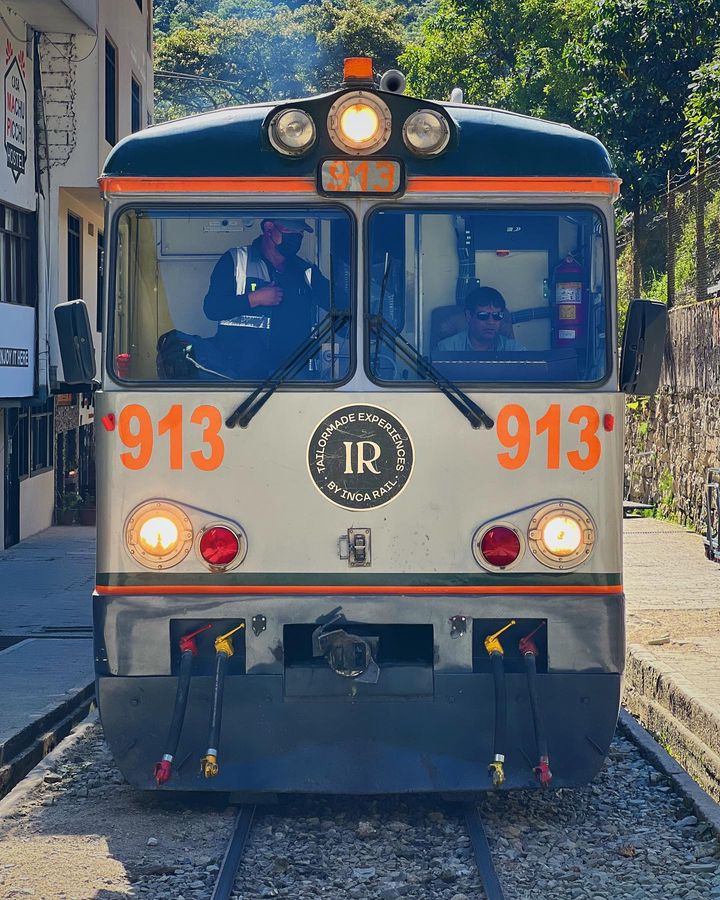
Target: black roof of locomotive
{"x":484,"y":142}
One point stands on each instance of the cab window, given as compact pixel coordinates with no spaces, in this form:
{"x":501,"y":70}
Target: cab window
{"x":231,"y":295}
{"x":489,"y":296}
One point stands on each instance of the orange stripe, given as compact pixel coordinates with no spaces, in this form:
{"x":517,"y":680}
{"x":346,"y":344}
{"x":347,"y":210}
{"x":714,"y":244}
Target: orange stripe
{"x":608,"y":186}
{"x":139,"y":590}
{"x":208,"y":185}
{"x":421,"y":184}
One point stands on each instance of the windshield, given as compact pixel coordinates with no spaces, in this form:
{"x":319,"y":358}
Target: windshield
{"x":230,"y":294}
{"x":491,"y":295}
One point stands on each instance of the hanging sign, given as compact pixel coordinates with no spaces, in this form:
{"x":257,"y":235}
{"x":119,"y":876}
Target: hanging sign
{"x":17,"y":171}
{"x":17,"y":350}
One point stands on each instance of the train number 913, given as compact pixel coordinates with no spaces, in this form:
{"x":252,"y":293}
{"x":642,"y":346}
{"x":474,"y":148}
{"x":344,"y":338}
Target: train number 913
{"x":514,"y":432}
{"x":137,"y":433}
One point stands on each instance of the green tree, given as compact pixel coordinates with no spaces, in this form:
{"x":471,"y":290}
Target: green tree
{"x":702,"y":133}
{"x":262,"y":59}
{"x":343,"y":28}
{"x":511,"y":55}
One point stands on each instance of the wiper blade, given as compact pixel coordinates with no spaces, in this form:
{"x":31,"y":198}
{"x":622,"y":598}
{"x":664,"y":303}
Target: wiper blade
{"x":391,"y":336}
{"x":244,"y":414}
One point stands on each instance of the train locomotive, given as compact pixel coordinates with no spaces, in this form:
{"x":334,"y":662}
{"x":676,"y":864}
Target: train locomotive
{"x":360,"y":447}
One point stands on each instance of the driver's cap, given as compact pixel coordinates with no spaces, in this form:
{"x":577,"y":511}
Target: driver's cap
{"x":292,"y":224}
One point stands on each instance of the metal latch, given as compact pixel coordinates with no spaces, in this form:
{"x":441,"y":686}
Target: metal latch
{"x":355,"y":547}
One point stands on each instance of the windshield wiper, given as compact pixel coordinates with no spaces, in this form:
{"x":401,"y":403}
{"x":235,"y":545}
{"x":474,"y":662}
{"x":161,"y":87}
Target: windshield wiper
{"x":391,"y":336}
{"x":244,"y":414}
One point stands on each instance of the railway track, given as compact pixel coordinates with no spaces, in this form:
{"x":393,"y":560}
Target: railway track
{"x":224,"y":888}
{"x":627,"y":836}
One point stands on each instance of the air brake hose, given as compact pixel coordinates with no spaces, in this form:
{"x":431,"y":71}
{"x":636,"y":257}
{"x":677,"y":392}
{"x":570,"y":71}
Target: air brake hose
{"x":223,"y":652}
{"x":188,"y":650}
{"x":529,"y":650}
{"x":494,"y":648}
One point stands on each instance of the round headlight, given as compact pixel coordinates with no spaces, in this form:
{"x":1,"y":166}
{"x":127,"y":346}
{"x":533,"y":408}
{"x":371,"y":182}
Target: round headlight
{"x":359,"y":123}
{"x":561,"y":535}
{"x":426,"y":132}
{"x":292,"y":132}
{"x":158,"y":534}
{"x":498,"y":546}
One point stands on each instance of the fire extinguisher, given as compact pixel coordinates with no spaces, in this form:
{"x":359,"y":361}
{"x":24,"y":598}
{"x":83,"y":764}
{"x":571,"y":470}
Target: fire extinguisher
{"x":570,"y":300}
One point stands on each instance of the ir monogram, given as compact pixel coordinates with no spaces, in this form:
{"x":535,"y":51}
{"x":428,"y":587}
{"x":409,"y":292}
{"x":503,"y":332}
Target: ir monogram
{"x":360,"y":457}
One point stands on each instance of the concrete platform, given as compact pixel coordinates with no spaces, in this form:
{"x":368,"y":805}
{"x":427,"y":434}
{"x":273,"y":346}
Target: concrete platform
{"x":673,"y":663}
{"x":46,"y":652}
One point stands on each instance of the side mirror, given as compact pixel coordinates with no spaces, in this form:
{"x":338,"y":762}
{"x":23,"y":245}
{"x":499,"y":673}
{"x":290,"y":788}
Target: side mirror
{"x":76,"y":343}
{"x":643,"y":347}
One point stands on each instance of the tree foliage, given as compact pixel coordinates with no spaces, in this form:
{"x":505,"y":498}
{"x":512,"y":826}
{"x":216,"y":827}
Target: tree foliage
{"x":273,"y":55}
{"x":703,"y":109}
{"x":510,"y":54}
{"x":638,"y":59}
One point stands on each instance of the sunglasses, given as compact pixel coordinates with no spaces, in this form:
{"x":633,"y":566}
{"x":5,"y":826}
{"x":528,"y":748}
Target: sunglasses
{"x":484,"y":316}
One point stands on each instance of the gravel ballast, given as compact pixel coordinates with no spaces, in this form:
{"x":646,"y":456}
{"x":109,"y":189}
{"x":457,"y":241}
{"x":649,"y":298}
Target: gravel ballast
{"x":83,"y":834}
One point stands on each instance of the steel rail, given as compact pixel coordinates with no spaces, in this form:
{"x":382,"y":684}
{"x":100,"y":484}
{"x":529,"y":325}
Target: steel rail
{"x":233,"y":854}
{"x":483,"y":856}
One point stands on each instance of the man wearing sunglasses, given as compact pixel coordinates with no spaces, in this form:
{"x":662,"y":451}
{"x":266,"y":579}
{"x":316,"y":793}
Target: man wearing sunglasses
{"x":485,"y":312}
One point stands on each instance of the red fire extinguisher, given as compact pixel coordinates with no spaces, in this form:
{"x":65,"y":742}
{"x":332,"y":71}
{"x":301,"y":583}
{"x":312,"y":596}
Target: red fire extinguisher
{"x":570,"y":301}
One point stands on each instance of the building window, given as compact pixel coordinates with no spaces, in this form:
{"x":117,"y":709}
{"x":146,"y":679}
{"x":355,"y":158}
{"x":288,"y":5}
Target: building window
{"x":100,"y":278}
{"x":135,"y":105}
{"x":74,"y":257}
{"x":41,"y":437}
{"x":110,"y":91}
{"x":17,"y":281}
{"x":22,"y":435}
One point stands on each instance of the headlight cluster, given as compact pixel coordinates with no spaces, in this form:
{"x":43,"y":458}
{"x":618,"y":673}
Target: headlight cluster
{"x":359,"y":123}
{"x":560,"y":535}
{"x":159,"y":535}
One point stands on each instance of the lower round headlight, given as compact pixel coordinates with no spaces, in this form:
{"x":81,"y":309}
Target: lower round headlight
{"x":561,"y":535}
{"x":292,"y":132}
{"x":158,"y":534}
{"x":426,"y":132}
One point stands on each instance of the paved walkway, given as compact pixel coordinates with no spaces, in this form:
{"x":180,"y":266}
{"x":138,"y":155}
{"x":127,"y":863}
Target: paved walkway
{"x":46,"y":655}
{"x":673,"y":665}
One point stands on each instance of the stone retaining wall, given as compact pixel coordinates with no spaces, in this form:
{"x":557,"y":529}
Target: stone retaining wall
{"x":672,"y":439}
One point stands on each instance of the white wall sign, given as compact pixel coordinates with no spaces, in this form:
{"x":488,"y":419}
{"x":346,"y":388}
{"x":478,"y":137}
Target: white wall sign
{"x":17,"y":169}
{"x":17,"y":350}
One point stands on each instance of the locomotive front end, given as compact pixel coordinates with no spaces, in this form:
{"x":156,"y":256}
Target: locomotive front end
{"x":361,"y":450}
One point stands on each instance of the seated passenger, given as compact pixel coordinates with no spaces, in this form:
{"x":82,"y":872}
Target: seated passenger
{"x":263,"y":298}
{"x":485,"y":311}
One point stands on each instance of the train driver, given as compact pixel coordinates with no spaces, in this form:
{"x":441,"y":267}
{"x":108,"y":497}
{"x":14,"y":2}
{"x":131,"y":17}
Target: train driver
{"x":263,"y":298}
{"x":485,"y":313}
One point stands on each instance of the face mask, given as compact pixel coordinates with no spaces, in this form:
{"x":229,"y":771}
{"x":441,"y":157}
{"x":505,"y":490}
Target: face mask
{"x":290,"y":244}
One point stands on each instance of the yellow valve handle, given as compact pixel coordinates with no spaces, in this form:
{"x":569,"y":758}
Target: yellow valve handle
{"x":497,"y":772}
{"x":209,"y":766}
{"x":492,"y":644}
{"x":223,"y":644}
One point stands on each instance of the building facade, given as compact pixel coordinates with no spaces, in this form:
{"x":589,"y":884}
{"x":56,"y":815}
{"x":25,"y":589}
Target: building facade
{"x":77,"y":78}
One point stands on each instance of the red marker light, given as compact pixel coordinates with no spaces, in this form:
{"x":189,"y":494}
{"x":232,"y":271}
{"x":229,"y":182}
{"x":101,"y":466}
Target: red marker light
{"x":502,"y":253}
{"x":109,"y":422}
{"x":608,"y":422}
{"x":219,"y":546}
{"x":500,"y":546}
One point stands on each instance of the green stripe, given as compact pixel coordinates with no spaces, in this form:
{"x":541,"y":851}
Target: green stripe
{"x":310,"y":579}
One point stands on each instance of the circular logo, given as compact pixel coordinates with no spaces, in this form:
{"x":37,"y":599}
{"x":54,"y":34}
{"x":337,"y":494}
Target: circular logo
{"x":360,"y":457}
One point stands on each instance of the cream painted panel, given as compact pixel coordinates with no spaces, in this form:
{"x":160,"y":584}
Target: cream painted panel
{"x":456,"y":485}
